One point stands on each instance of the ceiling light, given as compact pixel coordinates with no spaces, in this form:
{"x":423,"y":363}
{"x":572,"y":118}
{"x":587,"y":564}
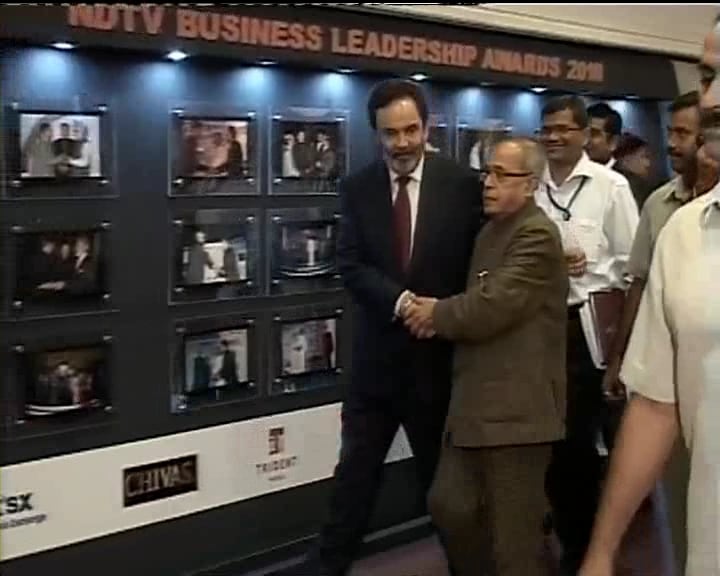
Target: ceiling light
{"x":63,"y":45}
{"x":176,"y":55}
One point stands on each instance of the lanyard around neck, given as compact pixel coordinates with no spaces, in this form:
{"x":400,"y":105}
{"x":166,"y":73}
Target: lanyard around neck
{"x":567,"y":215}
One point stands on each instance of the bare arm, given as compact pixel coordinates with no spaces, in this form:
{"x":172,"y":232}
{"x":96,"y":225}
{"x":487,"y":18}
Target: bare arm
{"x":644,"y":444}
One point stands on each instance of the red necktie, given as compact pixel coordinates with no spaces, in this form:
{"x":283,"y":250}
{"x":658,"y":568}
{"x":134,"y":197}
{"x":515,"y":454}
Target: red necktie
{"x":401,"y":223}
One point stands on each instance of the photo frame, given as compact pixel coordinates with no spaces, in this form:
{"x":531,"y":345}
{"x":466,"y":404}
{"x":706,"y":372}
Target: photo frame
{"x":215,"y":362}
{"x":213,"y":151}
{"x":306,"y":352}
{"x":215,"y":255}
{"x":438,"y":136}
{"x":59,"y":149}
{"x":309,"y":152}
{"x":302,"y":249}
{"x":475,"y":141}
{"x":62,"y":384}
{"x":57,"y":268}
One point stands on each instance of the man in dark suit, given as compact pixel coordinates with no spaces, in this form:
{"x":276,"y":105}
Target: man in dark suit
{"x":508,"y":398}
{"x":408,"y":225}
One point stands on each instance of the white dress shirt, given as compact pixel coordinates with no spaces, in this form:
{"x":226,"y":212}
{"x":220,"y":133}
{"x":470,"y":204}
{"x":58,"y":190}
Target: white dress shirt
{"x":603,"y":220}
{"x":674,"y":357}
{"x":413,"y":190}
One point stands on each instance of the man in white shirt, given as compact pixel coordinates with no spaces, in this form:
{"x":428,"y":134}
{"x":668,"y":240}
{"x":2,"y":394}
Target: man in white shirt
{"x":672,"y":369}
{"x":597,"y":216}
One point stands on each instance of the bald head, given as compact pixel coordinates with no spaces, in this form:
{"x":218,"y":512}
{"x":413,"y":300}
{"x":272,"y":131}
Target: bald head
{"x":514,"y":170}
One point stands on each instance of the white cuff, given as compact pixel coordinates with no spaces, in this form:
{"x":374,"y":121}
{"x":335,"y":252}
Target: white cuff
{"x":402,"y":302}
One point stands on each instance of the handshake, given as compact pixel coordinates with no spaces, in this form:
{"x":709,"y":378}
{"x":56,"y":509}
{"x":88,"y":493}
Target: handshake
{"x":417,"y":315}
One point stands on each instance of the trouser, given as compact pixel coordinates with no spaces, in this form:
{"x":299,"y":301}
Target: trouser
{"x":489,"y":504}
{"x":368,"y":429}
{"x":574,"y":476}
{"x":675,"y":488}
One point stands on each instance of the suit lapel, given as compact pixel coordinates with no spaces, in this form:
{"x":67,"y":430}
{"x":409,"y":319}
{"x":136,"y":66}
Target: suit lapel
{"x":427,"y":208}
{"x":380,"y":212}
{"x":497,"y":235}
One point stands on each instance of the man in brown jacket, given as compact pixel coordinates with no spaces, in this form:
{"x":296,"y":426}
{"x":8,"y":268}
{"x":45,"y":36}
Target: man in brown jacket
{"x":508,"y":397}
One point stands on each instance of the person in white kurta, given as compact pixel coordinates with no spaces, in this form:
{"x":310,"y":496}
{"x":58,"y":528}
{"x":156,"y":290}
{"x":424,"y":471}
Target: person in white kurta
{"x":672,"y":370}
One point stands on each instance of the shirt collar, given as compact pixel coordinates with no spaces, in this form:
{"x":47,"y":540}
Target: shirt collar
{"x":415,"y":175}
{"x":583,"y":169}
{"x":712,"y":204}
{"x":678,"y":191}
{"x":610,"y":163}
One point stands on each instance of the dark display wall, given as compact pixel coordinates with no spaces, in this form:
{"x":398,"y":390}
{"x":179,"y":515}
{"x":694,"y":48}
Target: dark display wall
{"x":147,"y":322}
{"x":144,"y":310}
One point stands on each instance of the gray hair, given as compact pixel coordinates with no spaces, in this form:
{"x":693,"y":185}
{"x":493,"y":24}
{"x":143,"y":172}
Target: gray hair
{"x":532,"y":152}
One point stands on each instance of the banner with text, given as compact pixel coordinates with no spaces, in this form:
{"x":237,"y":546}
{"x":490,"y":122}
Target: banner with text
{"x":140,"y":483}
{"x":332,"y":37}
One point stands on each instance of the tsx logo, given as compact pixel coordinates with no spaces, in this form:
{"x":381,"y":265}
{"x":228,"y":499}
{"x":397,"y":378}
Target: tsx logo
{"x":18,"y":510}
{"x":16,"y":504}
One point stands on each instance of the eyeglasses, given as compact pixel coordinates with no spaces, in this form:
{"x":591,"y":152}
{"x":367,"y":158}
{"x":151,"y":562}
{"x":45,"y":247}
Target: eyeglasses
{"x":546,"y":131}
{"x":502,"y":175}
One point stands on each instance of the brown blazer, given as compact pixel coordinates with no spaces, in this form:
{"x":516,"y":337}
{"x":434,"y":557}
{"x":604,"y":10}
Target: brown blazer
{"x":509,"y":327}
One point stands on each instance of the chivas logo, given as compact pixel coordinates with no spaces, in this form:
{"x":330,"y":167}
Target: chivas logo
{"x":276,"y":441}
{"x":159,"y":480}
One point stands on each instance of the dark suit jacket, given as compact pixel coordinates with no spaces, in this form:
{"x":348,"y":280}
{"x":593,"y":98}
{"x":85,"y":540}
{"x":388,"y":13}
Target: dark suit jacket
{"x":386,"y":358}
{"x":510,"y":328}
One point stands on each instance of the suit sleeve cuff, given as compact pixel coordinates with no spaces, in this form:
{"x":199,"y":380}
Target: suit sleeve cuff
{"x":442,"y":318}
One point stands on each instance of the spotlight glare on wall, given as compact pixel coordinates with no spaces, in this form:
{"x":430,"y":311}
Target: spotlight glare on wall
{"x":176,"y":55}
{"x":346,"y":71}
{"x":419,"y":77}
{"x":63,"y":45}
{"x":538,"y":89}
{"x":267,"y":62}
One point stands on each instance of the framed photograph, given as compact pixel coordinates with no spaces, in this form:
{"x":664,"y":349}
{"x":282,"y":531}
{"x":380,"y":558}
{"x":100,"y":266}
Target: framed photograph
{"x":438,"y":136}
{"x":309,"y":151}
{"x":306,"y":350}
{"x":58,"y":150}
{"x":475,"y":142}
{"x":61,"y":269}
{"x":216,"y":255}
{"x":302,"y":250}
{"x":63,"y":384}
{"x":213,"y":154}
{"x":215,"y":362}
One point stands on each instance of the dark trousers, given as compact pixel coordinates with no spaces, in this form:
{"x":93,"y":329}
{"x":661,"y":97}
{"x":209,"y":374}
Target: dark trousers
{"x":488,"y":504}
{"x":368,"y":429}
{"x":574,"y":477}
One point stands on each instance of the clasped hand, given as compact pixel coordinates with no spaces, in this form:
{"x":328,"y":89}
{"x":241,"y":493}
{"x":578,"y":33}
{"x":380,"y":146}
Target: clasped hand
{"x":418,"y":316}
